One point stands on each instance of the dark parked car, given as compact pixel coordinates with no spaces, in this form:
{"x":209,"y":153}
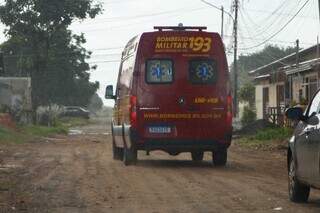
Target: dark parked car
{"x":75,"y":111}
{"x":304,"y":151}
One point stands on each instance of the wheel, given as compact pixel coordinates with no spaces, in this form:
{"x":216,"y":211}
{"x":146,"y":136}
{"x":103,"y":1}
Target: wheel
{"x":197,"y":156}
{"x":298,"y":192}
{"x":129,"y":156}
{"x":219,"y":157}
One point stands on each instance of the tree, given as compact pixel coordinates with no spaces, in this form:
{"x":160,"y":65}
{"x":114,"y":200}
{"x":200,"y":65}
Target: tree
{"x":41,"y":46}
{"x":96,"y":103}
{"x":247,"y":94}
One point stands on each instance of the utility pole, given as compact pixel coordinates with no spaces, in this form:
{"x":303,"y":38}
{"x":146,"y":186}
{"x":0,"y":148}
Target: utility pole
{"x":235,"y":62}
{"x":1,"y":63}
{"x":235,"y":65}
{"x":223,"y":12}
{"x":319,"y":9}
{"x":297,"y":52}
{"x":222,"y":21}
{"x":318,"y":48}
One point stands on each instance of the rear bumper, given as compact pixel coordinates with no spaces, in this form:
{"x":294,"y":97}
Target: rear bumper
{"x":176,"y":145}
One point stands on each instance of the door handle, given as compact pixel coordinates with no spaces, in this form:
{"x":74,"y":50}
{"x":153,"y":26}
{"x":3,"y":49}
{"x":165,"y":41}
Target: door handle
{"x":305,"y":132}
{"x":309,"y":130}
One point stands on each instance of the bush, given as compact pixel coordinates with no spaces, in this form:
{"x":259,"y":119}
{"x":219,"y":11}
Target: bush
{"x":248,"y":116}
{"x":48,"y":115}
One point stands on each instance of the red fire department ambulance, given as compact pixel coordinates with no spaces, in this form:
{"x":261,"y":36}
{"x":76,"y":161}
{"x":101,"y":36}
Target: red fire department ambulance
{"x":173,"y":94}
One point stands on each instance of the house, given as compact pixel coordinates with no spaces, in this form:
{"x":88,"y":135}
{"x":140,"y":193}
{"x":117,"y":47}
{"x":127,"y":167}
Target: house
{"x":15,"y":95}
{"x":285,"y":82}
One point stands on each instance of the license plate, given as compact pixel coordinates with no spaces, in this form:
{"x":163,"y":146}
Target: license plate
{"x":160,"y":129}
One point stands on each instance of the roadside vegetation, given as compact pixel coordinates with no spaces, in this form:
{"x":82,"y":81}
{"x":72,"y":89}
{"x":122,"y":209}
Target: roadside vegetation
{"x":268,"y":138}
{"x":71,"y":122}
{"x":28,"y":133}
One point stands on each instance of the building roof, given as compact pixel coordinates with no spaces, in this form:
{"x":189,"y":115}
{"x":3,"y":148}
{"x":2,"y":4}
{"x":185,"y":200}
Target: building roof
{"x":279,"y":63}
{"x":304,"y":66}
{"x":260,"y":77}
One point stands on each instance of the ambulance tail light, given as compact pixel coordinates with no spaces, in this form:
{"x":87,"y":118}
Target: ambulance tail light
{"x":133,"y":111}
{"x":229,"y":110}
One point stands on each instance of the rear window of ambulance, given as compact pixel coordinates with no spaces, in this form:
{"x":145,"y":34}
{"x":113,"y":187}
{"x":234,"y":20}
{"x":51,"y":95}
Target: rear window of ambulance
{"x":203,"y":71}
{"x":159,"y":71}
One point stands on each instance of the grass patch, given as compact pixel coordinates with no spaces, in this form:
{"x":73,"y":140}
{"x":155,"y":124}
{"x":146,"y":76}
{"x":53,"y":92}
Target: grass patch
{"x":11,"y":136}
{"x":43,"y":131}
{"x":73,"y":121}
{"x":266,"y":137}
{"x":251,"y":142}
{"x":30,"y":132}
{"x":274,"y":134}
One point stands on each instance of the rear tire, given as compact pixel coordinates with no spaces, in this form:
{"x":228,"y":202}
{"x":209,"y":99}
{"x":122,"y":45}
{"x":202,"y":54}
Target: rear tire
{"x":298,"y":192}
{"x":219,"y":157}
{"x":197,"y":156}
{"x":130,"y":156}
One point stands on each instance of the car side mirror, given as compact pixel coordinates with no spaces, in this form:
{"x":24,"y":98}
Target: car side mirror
{"x":109,"y":92}
{"x":295,"y":113}
{"x":313,"y":120}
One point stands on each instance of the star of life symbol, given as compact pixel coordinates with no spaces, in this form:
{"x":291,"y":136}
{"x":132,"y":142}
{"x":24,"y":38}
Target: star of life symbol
{"x":204,"y":71}
{"x":159,"y":71}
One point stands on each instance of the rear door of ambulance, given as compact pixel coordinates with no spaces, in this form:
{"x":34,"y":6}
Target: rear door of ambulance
{"x":182,"y":86}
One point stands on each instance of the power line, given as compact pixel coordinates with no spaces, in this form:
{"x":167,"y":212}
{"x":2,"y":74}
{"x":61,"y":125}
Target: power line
{"x":274,"y":41}
{"x":143,"y":21}
{"x":282,"y":14}
{"x":125,"y":18}
{"x":106,"y":61}
{"x":107,"y":48}
{"x":216,"y":7}
{"x":116,"y":2}
{"x":267,"y":30}
{"x":264,"y":27}
{"x":250,"y":36}
{"x":282,"y":28}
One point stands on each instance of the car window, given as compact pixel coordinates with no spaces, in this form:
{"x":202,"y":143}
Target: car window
{"x":315,"y":105}
{"x":159,"y":71}
{"x":203,"y":71}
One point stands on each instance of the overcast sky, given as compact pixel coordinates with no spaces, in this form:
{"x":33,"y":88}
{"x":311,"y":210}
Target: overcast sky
{"x":258,"y":20}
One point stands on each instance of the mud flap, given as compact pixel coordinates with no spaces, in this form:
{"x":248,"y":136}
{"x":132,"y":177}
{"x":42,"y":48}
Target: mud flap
{"x":130,"y":151}
{"x":126,"y":136}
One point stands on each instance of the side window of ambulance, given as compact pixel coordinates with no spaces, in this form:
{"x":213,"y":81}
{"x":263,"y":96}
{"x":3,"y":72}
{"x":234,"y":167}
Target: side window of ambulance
{"x":127,"y":71}
{"x":159,"y":71}
{"x":203,"y":71}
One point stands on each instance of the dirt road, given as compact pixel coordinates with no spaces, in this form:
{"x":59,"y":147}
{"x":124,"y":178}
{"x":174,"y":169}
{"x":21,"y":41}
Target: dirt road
{"x":77,"y":174}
